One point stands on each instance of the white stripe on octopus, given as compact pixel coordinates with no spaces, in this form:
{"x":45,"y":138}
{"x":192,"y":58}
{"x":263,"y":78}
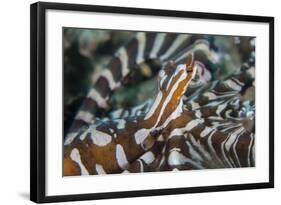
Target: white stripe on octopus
{"x":75,"y":156}
{"x":141,"y":37}
{"x":179,"y":40}
{"x":95,"y":95}
{"x":121,"y":157}
{"x":176,"y":159}
{"x":85,"y":116}
{"x":148,"y":157}
{"x":121,"y":124}
{"x":98,"y":138}
{"x":122,"y":54}
{"x":154,"y":106}
{"x":99,"y":169}
{"x":157,"y":44}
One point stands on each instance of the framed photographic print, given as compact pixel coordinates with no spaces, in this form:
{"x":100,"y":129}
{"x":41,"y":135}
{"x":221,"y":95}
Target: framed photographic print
{"x":129,"y":102}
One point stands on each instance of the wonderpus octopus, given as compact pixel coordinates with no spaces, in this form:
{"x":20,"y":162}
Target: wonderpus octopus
{"x":196,"y":120}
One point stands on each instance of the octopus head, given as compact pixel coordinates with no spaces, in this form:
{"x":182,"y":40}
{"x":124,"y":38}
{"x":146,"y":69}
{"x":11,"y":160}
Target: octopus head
{"x":176,"y":78}
{"x":173,"y":82}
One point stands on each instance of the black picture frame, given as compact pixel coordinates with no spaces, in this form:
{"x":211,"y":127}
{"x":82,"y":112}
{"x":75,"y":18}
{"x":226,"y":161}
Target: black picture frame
{"x":38,"y":100}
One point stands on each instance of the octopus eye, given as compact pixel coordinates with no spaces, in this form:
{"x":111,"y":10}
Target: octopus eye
{"x":143,"y":146}
{"x":148,"y":143}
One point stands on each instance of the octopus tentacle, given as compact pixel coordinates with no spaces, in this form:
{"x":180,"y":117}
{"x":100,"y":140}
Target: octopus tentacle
{"x":236,"y":84}
{"x":205,"y":147}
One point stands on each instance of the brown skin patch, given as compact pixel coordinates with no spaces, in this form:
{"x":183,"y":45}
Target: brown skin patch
{"x":70,"y":168}
{"x":207,"y":112}
{"x":135,"y":167}
{"x":131,"y":149}
{"x":181,"y":122}
{"x":242,"y":150}
{"x":177,"y":141}
{"x":104,"y":156}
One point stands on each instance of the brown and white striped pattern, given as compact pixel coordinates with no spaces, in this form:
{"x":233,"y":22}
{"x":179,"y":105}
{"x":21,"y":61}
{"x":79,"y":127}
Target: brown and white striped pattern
{"x":194,"y":122}
{"x":108,"y":146}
